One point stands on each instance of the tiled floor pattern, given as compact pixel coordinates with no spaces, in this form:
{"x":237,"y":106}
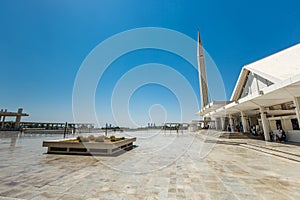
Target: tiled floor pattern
{"x":163,"y":166}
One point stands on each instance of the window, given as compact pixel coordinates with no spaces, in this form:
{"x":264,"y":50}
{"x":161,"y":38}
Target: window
{"x":295,"y":124}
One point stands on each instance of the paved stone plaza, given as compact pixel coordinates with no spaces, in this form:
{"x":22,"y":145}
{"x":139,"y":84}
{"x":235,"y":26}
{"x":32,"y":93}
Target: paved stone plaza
{"x":164,"y":165}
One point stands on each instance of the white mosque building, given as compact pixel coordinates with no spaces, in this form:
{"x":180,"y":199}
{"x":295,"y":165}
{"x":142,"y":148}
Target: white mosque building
{"x":266,"y":95}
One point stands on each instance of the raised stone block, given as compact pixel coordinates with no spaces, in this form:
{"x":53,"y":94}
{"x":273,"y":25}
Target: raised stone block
{"x":71,"y":146}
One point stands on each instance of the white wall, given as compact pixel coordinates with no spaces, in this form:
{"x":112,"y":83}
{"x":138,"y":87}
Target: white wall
{"x":294,"y":135}
{"x":272,"y":125}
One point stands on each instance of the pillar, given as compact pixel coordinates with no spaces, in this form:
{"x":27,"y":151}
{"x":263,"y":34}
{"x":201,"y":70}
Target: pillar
{"x":297,"y":109}
{"x":265,"y":123}
{"x":223,"y":124}
{"x":218,"y":123}
{"x":3,"y":119}
{"x":206,"y":121}
{"x":231,"y":123}
{"x":18,"y":118}
{"x":244,"y":122}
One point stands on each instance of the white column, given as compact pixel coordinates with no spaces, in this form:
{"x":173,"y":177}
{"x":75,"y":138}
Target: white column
{"x":218,"y":123}
{"x":223,"y":123}
{"x":265,"y":123}
{"x":244,"y":122}
{"x":297,"y":109}
{"x":3,"y":119}
{"x":231,"y":123}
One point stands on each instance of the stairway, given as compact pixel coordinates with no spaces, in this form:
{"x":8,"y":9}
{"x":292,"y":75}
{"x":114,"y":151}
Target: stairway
{"x":234,"y":135}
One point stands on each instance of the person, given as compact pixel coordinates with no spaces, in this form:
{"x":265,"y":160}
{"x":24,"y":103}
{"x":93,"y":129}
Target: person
{"x":241,"y":128}
{"x":271,"y":136}
{"x":253,"y":130}
{"x":237,"y":128}
{"x":228,"y":128}
{"x":258,"y":131}
{"x":280,"y":135}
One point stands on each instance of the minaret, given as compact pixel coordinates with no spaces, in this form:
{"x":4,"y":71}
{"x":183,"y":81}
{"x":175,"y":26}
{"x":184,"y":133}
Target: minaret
{"x":202,"y":73}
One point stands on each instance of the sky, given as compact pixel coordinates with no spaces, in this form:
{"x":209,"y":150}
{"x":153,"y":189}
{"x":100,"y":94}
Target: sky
{"x":44,"y":43}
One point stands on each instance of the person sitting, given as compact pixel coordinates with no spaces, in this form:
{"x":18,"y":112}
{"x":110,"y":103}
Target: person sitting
{"x":271,"y":136}
{"x":253,"y":130}
{"x":280,"y":135}
{"x":258,"y":131}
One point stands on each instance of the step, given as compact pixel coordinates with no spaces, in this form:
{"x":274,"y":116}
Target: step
{"x":274,"y":152}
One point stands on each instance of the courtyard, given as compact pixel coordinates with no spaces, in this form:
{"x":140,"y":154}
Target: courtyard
{"x":163,"y":165}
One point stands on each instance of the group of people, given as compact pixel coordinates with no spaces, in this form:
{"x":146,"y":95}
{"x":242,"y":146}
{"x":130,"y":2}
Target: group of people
{"x":280,"y":135}
{"x":255,"y":130}
{"x":237,"y":128}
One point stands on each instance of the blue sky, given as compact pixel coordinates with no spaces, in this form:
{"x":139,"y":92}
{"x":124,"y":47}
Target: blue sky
{"x":43,"y":44}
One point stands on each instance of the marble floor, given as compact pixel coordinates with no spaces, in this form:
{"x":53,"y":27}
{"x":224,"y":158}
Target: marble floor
{"x":163,"y":165}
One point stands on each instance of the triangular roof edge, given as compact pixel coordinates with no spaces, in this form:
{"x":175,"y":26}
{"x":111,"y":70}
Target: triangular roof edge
{"x":279,"y":52}
{"x":239,"y":84}
{"x":263,"y":75}
{"x":248,"y":68}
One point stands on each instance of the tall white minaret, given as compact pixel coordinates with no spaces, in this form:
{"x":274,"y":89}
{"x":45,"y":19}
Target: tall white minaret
{"x":202,"y":73}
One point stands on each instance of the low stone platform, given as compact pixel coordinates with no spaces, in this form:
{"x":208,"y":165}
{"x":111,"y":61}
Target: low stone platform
{"x":88,"y":148}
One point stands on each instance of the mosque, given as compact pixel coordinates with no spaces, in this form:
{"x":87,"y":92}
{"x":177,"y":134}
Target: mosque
{"x":266,"y":95}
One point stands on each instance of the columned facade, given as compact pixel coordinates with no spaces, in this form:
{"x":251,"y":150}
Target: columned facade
{"x":266,"y":95}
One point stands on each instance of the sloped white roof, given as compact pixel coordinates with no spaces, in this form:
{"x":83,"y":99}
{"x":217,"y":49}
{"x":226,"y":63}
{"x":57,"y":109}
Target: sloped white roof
{"x":279,"y":66}
{"x":275,"y":68}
